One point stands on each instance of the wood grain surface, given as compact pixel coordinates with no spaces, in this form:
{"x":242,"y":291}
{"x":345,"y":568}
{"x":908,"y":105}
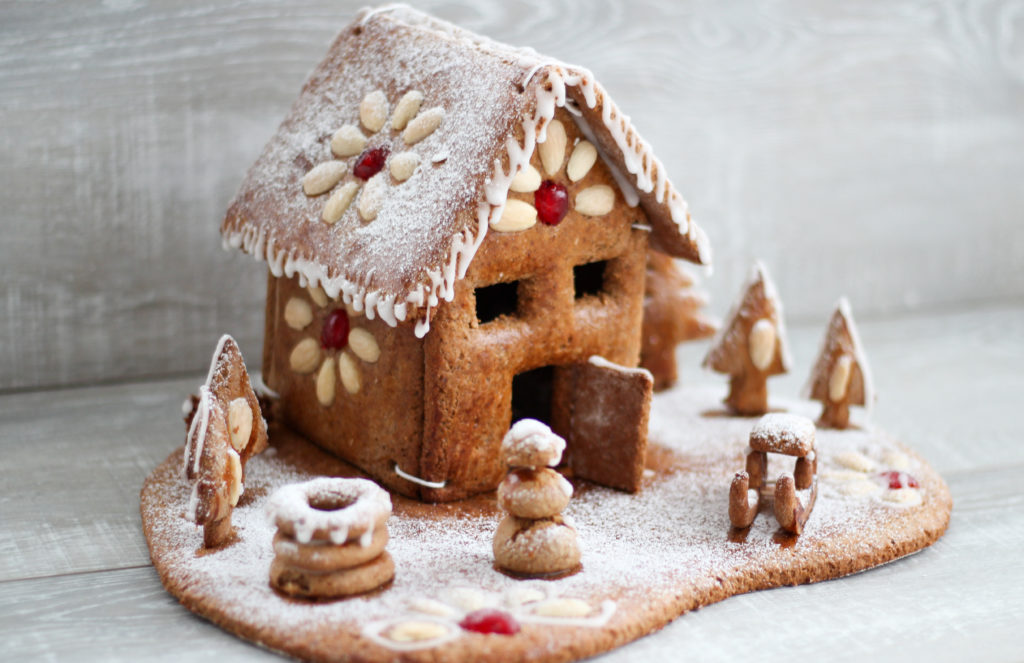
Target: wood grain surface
{"x":75,"y":580}
{"x":871,"y":148}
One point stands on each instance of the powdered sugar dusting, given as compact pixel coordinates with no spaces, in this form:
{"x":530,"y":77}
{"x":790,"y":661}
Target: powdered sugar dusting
{"x":842,"y":319}
{"x":530,"y":443}
{"x":669,"y":548}
{"x":365,"y":504}
{"x":425,"y":232}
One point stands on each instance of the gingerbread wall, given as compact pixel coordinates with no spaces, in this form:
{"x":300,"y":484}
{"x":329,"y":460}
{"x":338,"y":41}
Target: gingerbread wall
{"x":560,"y":314}
{"x":374,"y":418}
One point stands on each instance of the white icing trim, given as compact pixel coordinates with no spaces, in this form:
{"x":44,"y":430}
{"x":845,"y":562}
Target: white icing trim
{"x":291,"y":503}
{"x":415,"y":479}
{"x":373,"y":631}
{"x":601,"y":362}
{"x":637,"y":157}
{"x":598,"y":620}
{"x":195,"y":441}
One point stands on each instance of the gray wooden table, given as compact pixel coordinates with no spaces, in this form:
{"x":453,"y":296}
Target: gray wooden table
{"x":76,"y":584}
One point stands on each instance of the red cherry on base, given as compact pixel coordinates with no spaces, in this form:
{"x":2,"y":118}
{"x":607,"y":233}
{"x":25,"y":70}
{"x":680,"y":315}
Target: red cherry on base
{"x":334,"y":335}
{"x":897,"y":480}
{"x":370,"y":162}
{"x":552,"y":202}
{"x":489,"y":620}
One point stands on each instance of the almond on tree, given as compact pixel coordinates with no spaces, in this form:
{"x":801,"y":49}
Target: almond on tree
{"x":841,"y":376}
{"x":751,"y":345}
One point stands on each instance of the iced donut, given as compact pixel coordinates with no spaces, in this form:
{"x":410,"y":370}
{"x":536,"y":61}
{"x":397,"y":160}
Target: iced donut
{"x":330,"y":509}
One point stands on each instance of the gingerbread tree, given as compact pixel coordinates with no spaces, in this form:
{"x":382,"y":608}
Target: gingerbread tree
{"x":840,"y":377}
{"x":672,"y":314}
{"x":225,"y":429}
{"x":751,"y":345}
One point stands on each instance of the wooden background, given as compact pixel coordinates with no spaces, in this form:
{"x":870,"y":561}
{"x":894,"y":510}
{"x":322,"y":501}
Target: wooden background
{"x":871,"y":148}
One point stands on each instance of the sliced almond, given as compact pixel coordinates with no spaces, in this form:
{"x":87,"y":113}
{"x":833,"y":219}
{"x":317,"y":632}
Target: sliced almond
{"x":234,"y":477}
{"x":469,"y":599}
{"x":518,"y":215}
{"x":582,"y":159}
{"x":854,"y":460}
{"x":372,"y":197}
{"x":298,"y":313}
{"x":406,"y":109}
{"x":861,"y":487}
{"x":323,"y":177}
{"x":305,"y":356}
{"x":325,"y":382}
{"x":349,"y":373}
{"x":518,"y":596}
{"x":552,"y":150}
{"x":897,"y":460}
{"x":348,"y":141}
{"x":565,"y":608}
{"x":432,"y":607}
{"x":526,"y":180}
{"x":416,"y":631}
{"x":423,"y":125}
{"x":239,"y":423}
{"x":761,"y":344}
{"x":373,"y":111}
{"x":317,"y":294}
{"x":364,"y":345}
{"x":595,"y":200}
{"x":839,"y":380}
{"x":339,"y":201}
{"x":403,"y":165}
{"x":903,"y":496}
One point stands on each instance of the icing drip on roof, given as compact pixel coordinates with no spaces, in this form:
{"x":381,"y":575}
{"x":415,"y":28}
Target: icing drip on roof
{"x":406,"y":261}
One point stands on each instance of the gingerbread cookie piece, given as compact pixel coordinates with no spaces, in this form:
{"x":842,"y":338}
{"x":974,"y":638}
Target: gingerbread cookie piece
{"x":607,"y":433}
{"x":841,"y":376}
{"x":672,"y":314}
{"x":534,"y":539}
{"x":225,"y":429}
{"x":331,"y":535}
{"x":795,"y":494}
{"x":752,"y":345}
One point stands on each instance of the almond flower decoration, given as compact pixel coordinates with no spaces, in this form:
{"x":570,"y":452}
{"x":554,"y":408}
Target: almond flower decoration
{"x":338,"y":350}
{"x":550,"y":198}
{"x":372,"y":155}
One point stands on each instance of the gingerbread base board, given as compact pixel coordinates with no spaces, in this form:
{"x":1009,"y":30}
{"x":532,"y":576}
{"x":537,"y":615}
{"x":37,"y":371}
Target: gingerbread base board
{"x":647,"y":558}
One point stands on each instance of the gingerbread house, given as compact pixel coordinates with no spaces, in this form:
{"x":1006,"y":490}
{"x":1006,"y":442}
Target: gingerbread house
{"x":454,"y":228}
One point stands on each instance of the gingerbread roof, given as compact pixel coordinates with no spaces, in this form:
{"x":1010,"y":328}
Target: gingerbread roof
{"x":494,"y":103}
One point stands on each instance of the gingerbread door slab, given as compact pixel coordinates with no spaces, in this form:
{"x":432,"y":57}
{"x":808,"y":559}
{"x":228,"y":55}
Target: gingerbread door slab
{"x":607,"y":424}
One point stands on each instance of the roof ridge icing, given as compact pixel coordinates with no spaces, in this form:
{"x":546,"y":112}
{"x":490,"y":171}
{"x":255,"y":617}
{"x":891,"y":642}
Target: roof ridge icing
{"x":553,"y":84}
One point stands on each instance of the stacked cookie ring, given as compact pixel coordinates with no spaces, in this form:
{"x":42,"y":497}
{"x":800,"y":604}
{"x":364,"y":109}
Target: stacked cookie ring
{"x":331,"y":535}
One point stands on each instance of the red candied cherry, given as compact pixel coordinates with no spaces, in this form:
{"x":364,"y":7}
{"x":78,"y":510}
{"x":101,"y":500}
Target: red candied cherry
{"x":334,"y":335}
{"x":897,"y":480}
{"x":552,"y":202}
{"x":370,"y":162}
{"x":489,"y":620}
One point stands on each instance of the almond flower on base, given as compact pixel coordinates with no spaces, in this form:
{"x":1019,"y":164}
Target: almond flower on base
{"x":336,"y":352}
